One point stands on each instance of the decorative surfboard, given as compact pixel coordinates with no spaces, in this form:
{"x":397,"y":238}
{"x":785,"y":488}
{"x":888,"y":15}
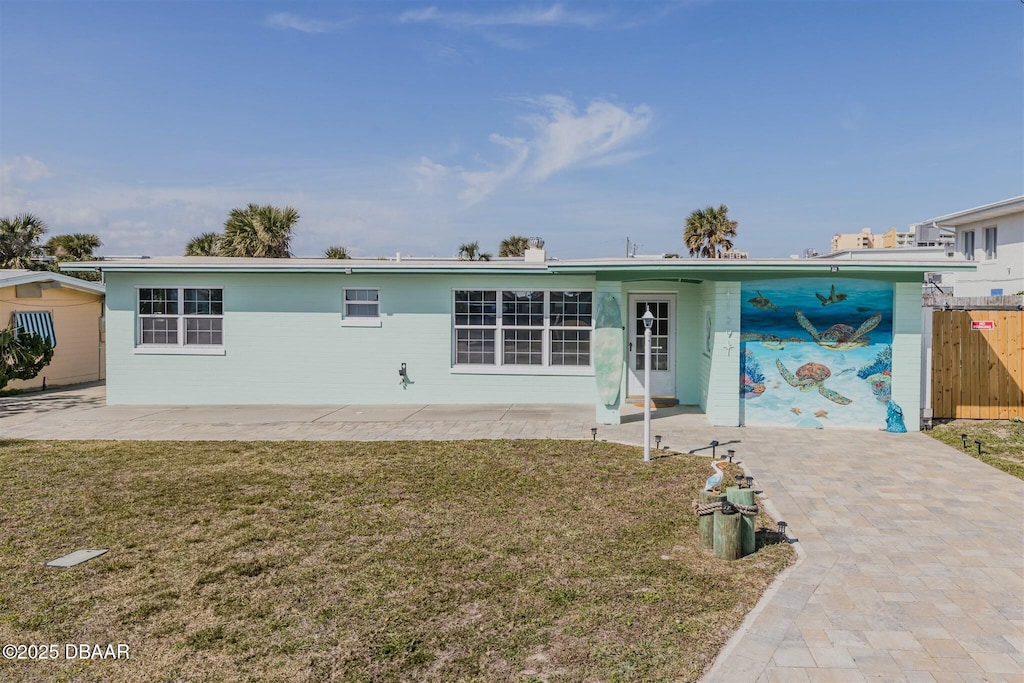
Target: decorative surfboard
{"x":608,"y":348}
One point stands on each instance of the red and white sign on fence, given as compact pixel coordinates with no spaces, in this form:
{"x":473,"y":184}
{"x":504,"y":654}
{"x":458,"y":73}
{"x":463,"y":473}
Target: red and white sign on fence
{"x":983,"y":324}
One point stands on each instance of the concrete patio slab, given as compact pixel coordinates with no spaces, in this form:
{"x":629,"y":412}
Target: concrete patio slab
{"x":371,"y":414}
{"x":555,"y":412}
{"x":460,"y":413}
{"x":239,"y":415}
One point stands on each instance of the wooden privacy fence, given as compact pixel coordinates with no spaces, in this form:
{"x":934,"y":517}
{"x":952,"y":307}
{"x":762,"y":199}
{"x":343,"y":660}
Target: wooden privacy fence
{"x":978,"y":373}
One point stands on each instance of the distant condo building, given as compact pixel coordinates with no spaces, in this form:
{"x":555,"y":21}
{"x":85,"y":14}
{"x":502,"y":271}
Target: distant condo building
{"x":891,"y":239}
{"x":732,"y":253}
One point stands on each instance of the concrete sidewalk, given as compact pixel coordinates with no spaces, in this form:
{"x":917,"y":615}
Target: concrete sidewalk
{"x":911,"y":553}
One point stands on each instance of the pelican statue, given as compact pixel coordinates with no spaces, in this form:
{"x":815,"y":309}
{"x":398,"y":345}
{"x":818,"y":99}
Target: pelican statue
{"x":715,"y":479}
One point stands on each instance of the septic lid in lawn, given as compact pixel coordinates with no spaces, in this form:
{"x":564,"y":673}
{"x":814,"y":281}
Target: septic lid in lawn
{"x":77,"y":557}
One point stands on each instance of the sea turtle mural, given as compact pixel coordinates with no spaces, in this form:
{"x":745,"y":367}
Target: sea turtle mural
{"x":770,"y":341}
{"x":840,"y":337}
{"x":828,"y":365}
{"x":809,"y":376}
{"x":762,"y":302}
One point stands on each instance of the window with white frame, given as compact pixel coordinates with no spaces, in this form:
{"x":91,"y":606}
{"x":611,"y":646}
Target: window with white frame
{"x":969,"y":245}
{"x":181,"y":316}
{"x":991,"y":243}
{"x":362,"y":302}
{"x":537,"y":328}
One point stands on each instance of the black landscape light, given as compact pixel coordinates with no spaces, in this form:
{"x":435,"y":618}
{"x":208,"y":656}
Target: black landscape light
{"x":731,"y":454}
{"x":593,"y":433}
{"x":739,"y":480}
{"x":979,"y":446}
{"x":782,"y":529}
{"x":750,"y":482}
{"x":657,"y":441}
{"x":963,"y":437}
{"x":714,"y":445}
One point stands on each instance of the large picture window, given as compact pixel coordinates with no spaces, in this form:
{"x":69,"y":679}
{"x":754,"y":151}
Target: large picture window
{"x":181,"y":316}
{"x":537,"y":328}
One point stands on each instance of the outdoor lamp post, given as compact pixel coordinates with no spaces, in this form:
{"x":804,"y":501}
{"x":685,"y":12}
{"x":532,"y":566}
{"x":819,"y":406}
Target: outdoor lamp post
{"x":648,"y":319}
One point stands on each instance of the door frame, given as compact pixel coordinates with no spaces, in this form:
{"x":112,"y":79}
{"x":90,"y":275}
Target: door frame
{"x":634,"y":379}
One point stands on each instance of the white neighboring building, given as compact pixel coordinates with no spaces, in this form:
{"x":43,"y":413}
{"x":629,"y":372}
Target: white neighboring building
{"x":992,"y":236}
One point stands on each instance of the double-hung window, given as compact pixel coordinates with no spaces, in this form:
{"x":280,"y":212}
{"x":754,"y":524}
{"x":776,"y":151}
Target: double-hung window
{"x":361,"y":307}
{"x":517,"y":328}
{"x":180,"y":317}
{"x":991,"y":244}
{"x":969,"y":245}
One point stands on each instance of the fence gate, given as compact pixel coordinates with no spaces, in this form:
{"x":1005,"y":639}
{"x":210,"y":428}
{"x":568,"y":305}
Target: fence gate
{"x":978,"y":364}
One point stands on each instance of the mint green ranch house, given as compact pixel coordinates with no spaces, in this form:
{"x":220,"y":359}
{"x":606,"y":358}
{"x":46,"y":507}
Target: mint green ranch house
{"x":807,"y":343}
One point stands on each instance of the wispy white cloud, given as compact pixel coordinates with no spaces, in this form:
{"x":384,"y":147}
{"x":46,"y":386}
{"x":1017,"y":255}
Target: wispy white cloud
{"x":24,"y":169}
{"x":553,"y":16}
{"x":287,"y":21}
{"x":479,"y":184}
{"x":563,"y":138}
{"x":567,"y":138}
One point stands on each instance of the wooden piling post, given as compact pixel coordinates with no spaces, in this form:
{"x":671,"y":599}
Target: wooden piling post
{"x":727,"y":541}
{"x":706,"y":523}
{"x":738,"y":496}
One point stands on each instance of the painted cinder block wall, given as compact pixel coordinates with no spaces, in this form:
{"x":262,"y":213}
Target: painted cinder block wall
{"x":79,"y":355}
{"x":906,"y":352}
{"x":285,"y":344}
{"x":720,"y":367}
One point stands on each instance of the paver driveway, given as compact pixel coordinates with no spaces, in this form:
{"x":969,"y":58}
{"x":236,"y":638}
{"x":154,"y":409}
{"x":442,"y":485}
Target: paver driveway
{"x":912,"y":554}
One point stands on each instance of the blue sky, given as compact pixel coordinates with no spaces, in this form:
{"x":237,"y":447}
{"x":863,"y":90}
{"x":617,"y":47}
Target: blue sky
{"x":415,"y":127}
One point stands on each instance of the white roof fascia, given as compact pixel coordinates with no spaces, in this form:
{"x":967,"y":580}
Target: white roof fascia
{"x":28,"y":277}
{"x":978,"y":213}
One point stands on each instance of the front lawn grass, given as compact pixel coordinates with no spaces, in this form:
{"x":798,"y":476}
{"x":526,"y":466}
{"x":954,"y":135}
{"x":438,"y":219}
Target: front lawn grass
{"x":443,"y":561}
{"x":1002,"y":441}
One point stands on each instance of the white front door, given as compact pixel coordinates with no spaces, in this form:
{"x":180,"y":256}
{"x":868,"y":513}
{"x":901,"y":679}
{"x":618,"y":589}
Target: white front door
{"x":663,"y":344}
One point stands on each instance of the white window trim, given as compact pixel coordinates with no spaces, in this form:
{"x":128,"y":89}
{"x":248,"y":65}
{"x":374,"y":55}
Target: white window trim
{"x":181,"y":348}
{"x":359,"y":320}
{"x":499,"y":367}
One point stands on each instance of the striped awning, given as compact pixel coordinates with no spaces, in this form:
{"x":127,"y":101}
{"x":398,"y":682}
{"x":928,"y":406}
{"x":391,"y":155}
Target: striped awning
{"x":40,"y":322}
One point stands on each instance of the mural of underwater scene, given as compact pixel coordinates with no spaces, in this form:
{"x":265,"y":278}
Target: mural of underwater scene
{"x":816,"y":352}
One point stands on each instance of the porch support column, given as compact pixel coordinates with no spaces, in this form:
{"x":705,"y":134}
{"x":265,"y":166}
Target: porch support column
{"x":609,"y":352}
{"x":722,"y":397}
{"x":906,"y":352}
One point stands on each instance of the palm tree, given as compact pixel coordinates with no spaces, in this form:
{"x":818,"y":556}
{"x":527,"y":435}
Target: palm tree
{"x":471,"y":252}
{"x":337,"y":253}
{"x":258,"y":231}
{"x":203,"y":245}
{"x":708,"y":231}
{"x":513,"y":246}
{"x":77,"y":246}
{"x":19,"y":242}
